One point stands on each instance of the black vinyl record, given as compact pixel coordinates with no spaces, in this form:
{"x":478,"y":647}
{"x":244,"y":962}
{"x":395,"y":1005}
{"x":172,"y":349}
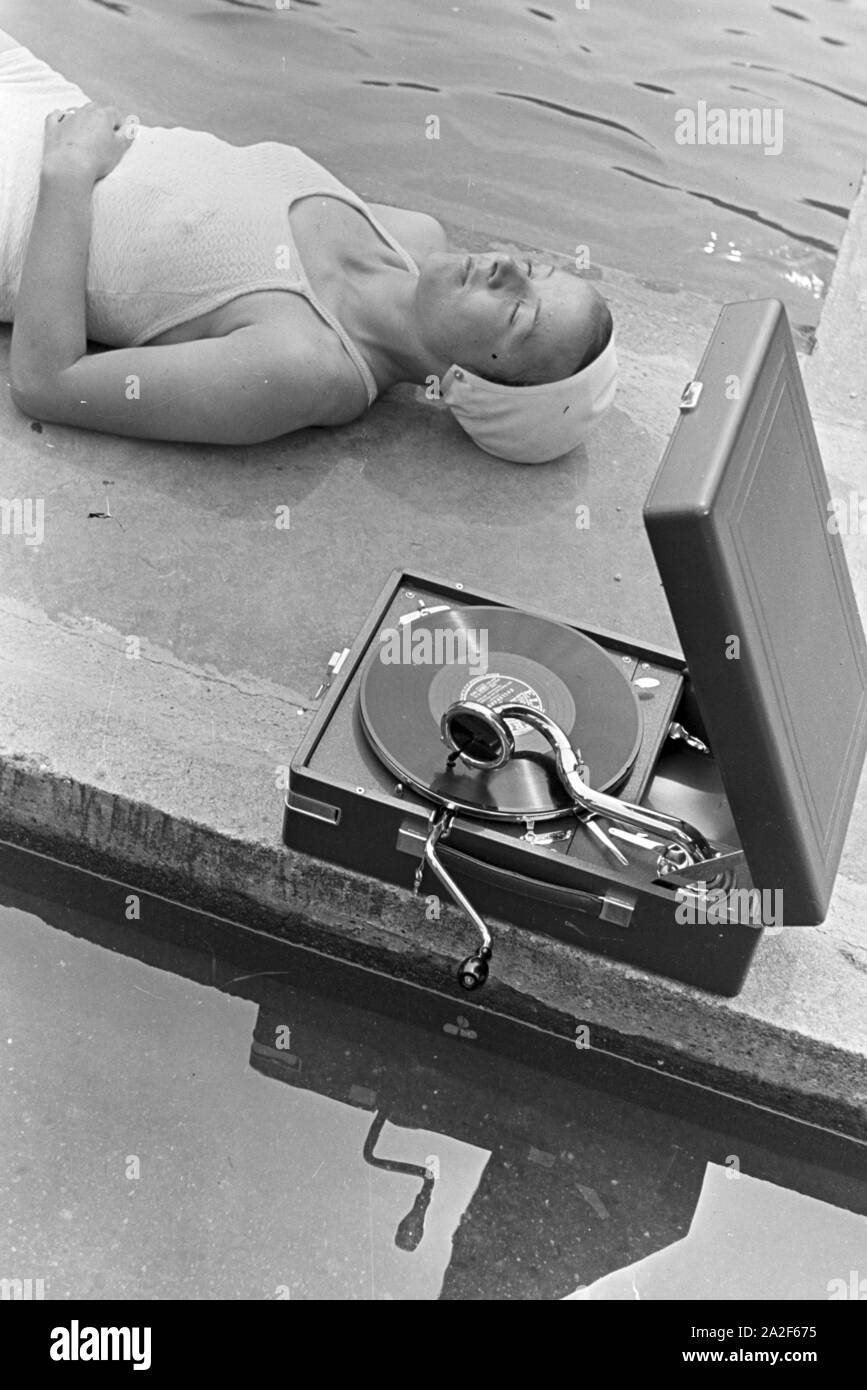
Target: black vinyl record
{"x":493,"y":656}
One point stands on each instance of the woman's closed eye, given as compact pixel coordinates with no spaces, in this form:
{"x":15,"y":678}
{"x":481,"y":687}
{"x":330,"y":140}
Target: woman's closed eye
{"x":531,"y":275}
{"x":518,"y":302}
{"x":528,"y":320}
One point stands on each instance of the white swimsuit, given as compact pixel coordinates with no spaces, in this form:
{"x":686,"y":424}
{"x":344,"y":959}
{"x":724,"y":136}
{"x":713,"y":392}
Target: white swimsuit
{"x":184,"y":223}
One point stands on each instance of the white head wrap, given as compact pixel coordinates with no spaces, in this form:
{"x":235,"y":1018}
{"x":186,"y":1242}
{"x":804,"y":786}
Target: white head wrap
{"x":531,"y":424}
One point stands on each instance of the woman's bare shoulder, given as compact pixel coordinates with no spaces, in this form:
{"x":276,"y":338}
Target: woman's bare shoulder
{"x":418,"y":232}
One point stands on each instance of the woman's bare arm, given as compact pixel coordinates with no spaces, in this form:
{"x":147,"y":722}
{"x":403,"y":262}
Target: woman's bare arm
{"x":49,"y":332}
{"x":243,"y":388}
{"x":79,"y":148}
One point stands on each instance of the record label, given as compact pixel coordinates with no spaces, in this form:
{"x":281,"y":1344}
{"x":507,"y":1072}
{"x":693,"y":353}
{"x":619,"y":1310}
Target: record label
{"x":509,"y":678}
{"x":496,"y":656}
{"x":496,"y":689}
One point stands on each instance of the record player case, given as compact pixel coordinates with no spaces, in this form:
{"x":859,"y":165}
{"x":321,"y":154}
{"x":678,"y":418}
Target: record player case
{"x":772,"y":683}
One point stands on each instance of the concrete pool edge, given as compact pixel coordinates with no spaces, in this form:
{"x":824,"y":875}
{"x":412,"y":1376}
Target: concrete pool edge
{"x":160,"y":773}
{"x":647,"y":1019}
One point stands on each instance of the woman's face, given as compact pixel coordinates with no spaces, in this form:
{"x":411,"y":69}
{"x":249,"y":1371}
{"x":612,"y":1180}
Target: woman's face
{"x":497,"y":316}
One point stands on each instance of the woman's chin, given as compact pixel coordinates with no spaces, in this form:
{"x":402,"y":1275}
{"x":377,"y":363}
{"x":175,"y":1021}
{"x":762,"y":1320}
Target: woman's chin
{"x":437,"y":288}
{"x":439,"y":272}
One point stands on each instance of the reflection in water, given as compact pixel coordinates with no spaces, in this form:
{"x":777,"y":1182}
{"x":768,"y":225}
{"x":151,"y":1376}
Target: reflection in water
{"x":747,"y":1240}
{"x":414,"y":1146}
{"x":411,"y":1229}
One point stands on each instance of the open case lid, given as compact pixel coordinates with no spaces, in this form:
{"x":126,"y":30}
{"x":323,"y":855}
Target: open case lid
{"x":738,"y":518}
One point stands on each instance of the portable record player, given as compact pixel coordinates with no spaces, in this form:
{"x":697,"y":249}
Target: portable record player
{"x":589,"y":787}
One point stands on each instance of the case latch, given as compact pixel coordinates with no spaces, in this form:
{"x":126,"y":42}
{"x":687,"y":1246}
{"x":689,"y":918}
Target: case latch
{"x":311,"y":806}
{"x":333,"y":668}
{"x":689,"y":397}
{"x":617,"y":908}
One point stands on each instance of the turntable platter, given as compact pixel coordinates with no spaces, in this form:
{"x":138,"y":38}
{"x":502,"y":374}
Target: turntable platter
{"x":493,"y":656}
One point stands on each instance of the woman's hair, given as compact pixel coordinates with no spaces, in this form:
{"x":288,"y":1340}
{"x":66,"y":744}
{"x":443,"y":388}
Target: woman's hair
{"x":603,"y":327}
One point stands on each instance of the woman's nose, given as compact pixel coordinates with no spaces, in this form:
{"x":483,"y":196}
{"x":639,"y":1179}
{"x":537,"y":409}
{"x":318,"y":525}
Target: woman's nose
{"x":504,"y":269}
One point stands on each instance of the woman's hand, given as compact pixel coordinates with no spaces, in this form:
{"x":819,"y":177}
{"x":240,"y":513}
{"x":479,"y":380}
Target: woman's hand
{"x":88,"y":141}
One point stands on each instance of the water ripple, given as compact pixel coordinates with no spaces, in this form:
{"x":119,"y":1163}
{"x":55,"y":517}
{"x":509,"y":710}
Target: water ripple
{"x":738,"y":208}
{"x":834,"y":208}
{"x":413,"y":86}
{"x":807,"y":81}
{"x":791,"y":14}
{"x":654,"y":87}
{"x":578,"y":115}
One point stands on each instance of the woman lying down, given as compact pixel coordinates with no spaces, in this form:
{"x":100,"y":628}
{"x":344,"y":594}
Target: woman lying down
{"x":245,"y":292}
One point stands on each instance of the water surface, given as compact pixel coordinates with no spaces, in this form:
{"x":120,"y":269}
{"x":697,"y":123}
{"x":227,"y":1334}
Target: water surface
{"x":190,"y":1113}
{"x":556,"y":124}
